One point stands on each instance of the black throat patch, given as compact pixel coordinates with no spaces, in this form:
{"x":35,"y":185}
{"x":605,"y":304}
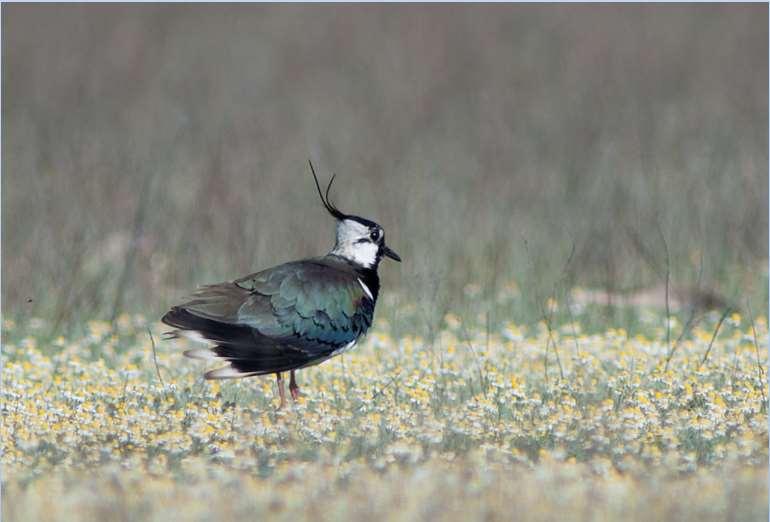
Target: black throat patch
{"x":370,"y":279}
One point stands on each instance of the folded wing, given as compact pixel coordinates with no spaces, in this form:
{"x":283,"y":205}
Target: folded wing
{"x":280,"y":319}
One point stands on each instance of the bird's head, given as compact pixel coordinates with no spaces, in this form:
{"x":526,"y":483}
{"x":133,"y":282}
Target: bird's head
{"x":359,"y":240}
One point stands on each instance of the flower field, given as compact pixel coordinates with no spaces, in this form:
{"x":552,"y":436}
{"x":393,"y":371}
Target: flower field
{"x":510,"y":423}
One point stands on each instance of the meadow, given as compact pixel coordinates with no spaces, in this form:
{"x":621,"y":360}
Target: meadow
{"x":524,"y":422}
{"x":580,"y":197}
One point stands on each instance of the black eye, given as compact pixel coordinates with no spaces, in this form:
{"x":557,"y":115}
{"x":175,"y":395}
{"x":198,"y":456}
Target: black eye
{"x":375,"y":234}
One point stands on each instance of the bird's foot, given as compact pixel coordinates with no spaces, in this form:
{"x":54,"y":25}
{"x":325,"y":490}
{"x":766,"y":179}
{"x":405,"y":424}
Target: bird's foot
{"x":293,"y":388}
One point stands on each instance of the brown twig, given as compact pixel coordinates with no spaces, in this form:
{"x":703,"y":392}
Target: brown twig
{"x":686,"y":328}
{"x":482,"y":375}
{"x":547,"y":316}
{"x":714,"y":335}
{"x":155,"y":360}
{"x":555,"y":347}
{"x":668,"y":283}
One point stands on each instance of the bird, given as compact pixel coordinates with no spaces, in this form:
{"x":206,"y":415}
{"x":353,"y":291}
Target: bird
{"x":291,"y":316}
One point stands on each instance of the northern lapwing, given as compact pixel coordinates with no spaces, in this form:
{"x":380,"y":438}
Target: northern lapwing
{"x":291,"y":316}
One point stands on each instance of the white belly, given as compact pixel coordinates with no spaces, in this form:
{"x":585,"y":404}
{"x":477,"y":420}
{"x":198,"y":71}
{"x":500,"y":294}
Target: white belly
{"x":345,"y":348}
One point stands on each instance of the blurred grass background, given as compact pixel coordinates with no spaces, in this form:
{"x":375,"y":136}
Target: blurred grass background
{"x":150,"y":148}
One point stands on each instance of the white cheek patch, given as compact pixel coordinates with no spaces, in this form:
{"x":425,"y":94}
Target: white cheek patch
{"x":365,"y":254}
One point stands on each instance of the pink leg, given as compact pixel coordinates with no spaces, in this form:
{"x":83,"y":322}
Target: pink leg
{"x":281,"y":390}
{"x":293,"y":388}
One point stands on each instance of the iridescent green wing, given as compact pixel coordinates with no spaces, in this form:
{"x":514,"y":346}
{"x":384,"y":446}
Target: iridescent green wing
{"x":309,"y":304}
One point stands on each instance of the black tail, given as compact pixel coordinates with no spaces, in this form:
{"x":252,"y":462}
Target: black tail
{"x":248,"y":351}
{"x":218,"y":332}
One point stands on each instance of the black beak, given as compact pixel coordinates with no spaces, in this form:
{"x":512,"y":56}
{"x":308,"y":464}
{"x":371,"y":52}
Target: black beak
{"x":389,"y":253}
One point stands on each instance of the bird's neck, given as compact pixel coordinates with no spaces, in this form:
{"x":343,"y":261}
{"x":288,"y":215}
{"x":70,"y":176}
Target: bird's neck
{"x":371,"y":279}
{"x":367,"y":274}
